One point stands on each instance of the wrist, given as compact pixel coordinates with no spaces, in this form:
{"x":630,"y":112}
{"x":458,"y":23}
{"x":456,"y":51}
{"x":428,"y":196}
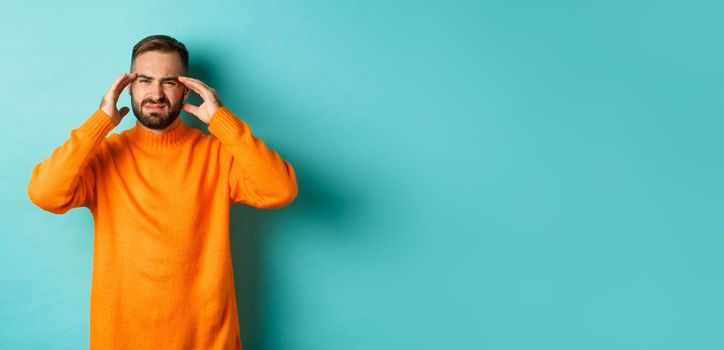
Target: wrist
{"x":114,"y":119}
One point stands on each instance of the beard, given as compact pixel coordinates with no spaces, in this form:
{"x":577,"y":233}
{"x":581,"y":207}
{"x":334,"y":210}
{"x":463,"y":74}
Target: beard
{"x":156,"y":119}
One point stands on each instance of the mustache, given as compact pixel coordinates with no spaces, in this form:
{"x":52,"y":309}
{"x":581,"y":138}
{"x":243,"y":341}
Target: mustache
{"x":162,"y":101}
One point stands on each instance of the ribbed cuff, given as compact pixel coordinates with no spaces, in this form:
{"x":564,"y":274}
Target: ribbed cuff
{"x":97,"y":126}
{"x":227,"y":127}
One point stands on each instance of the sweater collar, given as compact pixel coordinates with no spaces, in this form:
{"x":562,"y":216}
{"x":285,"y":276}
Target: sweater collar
{"x":171,"y":138}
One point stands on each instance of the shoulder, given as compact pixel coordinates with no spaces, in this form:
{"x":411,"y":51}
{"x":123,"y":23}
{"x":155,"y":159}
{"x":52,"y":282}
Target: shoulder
{"x":110,"y":145}
{"x":210,"y":143}
{"x":117,"y":140}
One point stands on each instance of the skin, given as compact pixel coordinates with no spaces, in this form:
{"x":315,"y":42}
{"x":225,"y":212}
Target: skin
{"x":146,"y":87}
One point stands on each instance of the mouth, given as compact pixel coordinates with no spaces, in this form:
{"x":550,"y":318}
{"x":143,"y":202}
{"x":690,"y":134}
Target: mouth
{"x":155,"y":106}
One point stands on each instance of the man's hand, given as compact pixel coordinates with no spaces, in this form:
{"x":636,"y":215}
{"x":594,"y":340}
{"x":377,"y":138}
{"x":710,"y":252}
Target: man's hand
{"x":108,"y":103}
{"x":211,"y":100}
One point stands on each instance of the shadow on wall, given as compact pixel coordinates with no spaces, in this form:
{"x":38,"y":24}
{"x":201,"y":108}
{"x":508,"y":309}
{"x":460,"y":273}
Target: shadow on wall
{"x":317,"y":200}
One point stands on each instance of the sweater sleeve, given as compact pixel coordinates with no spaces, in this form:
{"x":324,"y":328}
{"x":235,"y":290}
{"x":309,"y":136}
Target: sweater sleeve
{"x":258,"y":175}
{"x":65,"y":180}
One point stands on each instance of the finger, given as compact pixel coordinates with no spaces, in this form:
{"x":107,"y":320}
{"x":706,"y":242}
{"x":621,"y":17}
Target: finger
{"x":118,"y":80}
{"x":123,"y":83}
{"x":123,"y":111}
{"x":199,"y":87}
{"x":118,"y":86}
{"x":191,"y":84}
{"x":191,"y":109}
{"x":193,"y":80}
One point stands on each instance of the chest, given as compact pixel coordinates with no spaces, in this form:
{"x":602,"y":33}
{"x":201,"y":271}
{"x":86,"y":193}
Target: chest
{"x":176,"y":182}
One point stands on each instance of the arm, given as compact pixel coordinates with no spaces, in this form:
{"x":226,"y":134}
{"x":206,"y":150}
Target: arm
{"x":65,"y":180}
{"x":258,"y":176}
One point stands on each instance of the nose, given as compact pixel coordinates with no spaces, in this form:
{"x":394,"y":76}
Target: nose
{"x":156,"y":92}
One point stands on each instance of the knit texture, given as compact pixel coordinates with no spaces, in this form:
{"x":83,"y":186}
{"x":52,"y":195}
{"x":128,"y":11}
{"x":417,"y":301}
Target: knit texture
{"x":162,"y":273}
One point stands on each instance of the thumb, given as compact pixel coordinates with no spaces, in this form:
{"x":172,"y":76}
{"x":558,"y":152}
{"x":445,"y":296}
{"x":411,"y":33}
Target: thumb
{"x":191,"y":109}
{"x":123,"y":111}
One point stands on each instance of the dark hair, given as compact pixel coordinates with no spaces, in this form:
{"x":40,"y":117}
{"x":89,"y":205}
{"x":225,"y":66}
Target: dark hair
{"x":163,"y":43}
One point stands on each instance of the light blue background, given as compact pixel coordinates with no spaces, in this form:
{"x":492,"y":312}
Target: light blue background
{"x":473,"y":174}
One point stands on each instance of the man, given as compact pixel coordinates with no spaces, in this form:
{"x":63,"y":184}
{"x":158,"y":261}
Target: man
{"x":160,"y":195}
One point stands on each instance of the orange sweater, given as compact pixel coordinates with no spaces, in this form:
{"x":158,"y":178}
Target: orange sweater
{"x":162,"y":273}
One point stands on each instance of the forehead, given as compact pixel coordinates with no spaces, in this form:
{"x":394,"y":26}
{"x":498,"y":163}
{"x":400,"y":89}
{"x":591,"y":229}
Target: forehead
{"x":157,"y":63}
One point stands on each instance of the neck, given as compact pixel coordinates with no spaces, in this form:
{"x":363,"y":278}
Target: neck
{"x":164,"y":130}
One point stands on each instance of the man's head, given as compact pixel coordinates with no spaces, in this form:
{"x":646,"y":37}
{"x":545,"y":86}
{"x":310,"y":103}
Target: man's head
{"x":156,"y":93}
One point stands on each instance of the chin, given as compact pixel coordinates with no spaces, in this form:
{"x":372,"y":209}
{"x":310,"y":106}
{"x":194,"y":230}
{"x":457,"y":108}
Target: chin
{"x":153,"y":122}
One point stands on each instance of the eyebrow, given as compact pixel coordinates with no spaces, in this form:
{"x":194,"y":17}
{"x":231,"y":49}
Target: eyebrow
{"x":162,"y":79}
